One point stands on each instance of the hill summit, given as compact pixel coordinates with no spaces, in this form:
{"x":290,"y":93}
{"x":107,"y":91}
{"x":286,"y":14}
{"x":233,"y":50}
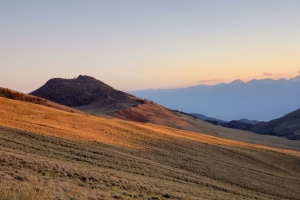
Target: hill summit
{"x":75,"y":92}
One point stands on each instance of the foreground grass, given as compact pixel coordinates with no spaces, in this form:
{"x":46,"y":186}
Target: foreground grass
{"x":166,"y":169}
{"x":21,"y":193}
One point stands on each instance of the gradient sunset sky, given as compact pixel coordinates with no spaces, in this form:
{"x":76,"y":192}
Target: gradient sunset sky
{"x":138,"y":44}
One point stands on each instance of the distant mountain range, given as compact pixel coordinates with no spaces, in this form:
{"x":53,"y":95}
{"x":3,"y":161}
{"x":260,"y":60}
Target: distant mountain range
{"x":261,"y":100}
{"x":247,"y":121}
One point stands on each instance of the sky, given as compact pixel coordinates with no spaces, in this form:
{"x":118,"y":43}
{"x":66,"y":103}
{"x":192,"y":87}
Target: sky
{"x":138,"y":44}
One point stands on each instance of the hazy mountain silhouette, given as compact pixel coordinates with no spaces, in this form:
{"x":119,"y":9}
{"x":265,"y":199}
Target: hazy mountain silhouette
{"x":205,"y":118}
{"x":261,"y":100}
{"x":247,"y":121}
{"x":233,"y":124}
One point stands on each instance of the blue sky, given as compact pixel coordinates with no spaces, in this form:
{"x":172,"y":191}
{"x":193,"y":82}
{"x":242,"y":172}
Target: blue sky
{"x":134,"y":45}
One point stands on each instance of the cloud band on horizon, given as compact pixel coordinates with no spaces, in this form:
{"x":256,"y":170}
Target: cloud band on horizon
{"x":210,"y":80}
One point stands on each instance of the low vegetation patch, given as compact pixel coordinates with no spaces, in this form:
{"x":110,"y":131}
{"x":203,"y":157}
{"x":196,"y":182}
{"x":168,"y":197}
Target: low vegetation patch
{"x":22,"y":193}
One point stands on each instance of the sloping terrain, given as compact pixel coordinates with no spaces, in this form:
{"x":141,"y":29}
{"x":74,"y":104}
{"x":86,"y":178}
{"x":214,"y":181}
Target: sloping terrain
{"x":71,"y":155}
{"x":92,"y":96}
{"x":11,"y":94}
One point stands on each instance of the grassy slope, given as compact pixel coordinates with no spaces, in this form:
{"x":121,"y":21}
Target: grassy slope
{"x":156,"y":114}
{"x":11,"y":94}
{"x":132,"y":109}
{"x":84,"y":156}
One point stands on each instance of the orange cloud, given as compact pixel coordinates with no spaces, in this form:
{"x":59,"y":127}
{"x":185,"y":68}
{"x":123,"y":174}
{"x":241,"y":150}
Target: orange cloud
{"x":281,"y":74}
{"x":210,"y":80}
{"x":267,"y":74}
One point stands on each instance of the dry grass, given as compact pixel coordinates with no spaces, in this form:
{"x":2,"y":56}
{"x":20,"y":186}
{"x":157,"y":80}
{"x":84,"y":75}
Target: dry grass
{"x":39,"y":119}
{"x":137,"y":110}
{"x":18,"y":192}
{"x":85,"y":157}
{"x":11,"y":94}
{"x":156,"y":114}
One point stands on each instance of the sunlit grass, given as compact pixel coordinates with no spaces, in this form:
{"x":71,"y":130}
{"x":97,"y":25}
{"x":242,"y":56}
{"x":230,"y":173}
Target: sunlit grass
{"x":22,"y":193}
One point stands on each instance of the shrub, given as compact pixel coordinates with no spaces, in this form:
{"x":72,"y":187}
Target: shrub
{"x":167,"y":196}
{"x":20,"y":178}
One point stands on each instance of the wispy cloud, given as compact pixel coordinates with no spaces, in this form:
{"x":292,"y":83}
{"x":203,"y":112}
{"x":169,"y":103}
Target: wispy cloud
{"x":210,"y":80}
{"x":267,"y":74}
{"x":298,"y":72}
{"x":282,"y":74}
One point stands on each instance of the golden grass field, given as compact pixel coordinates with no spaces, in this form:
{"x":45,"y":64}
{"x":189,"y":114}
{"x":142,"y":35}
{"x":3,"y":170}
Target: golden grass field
{"x":63,"y":155}
{"x":156,"y":114}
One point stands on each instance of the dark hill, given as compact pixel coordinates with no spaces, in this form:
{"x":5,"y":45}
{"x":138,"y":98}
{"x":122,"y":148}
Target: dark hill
{"x":247,"y":121}
{"x":232,"y":124}
{"x":287,"y":126}
{"x":77,"y":92}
